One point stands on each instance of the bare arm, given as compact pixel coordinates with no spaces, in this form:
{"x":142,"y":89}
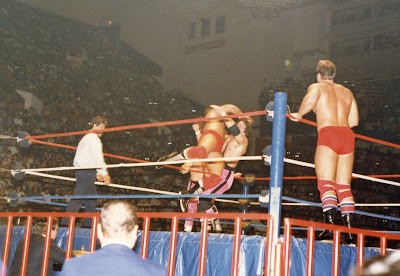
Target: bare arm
{"x":353,"y":115}
{"x":197,"y":131}
{"x":309,"y":101}
{"x":222,"y":111}
{"x":241,"y":138}
{"x":233,"y":109}
{"x":230,"y":108}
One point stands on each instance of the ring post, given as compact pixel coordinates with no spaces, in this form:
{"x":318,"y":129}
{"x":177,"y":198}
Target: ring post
{"x":277,"y":155}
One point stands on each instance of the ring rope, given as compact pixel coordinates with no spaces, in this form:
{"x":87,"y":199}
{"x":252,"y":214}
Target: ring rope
{"x":157,"y":124}
{"x":314,"y":177}
{"x":187,"y":121}
{"x":142,"y":196}
{"x":191,"y":170}
{"x":7,"y":137}
{"x":268,"y":158}
{"x":118,"y":186}
{"x":356,"y":175}
{"x":110,"y":155}
{"x":147,"y":164}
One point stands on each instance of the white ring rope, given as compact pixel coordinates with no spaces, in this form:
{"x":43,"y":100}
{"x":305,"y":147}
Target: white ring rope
{"x":7,"y":137}
{"x":119,"y":186}
{"x":146,"y":164}
{"x":310,"y":165}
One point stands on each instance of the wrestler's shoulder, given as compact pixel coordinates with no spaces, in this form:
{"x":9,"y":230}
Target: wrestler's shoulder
{"x":343,"y":89}
{"x":315,"y":84}
{"x":340,"y":86}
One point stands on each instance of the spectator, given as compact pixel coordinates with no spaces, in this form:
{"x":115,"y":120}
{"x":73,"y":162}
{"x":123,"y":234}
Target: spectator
{"x":117,"y":232}
{"x":36,"y":249}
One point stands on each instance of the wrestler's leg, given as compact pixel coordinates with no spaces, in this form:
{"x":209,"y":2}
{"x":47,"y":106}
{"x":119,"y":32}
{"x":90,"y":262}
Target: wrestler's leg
{"x":197,"y":173}
{"x":325,"y":168}
{"x":192,"y":209}
{"x":343,"y":189}
{"x":205,"y":145}
{"x":193,"y":185}
{"x":196,"y":170}
{"x":326,"y":161}
{"x":215,"y":169}
{"x":345,"y":168}
{"x":208,"y":141}
{"x":207,"y":206}
{"x":343,"y":180}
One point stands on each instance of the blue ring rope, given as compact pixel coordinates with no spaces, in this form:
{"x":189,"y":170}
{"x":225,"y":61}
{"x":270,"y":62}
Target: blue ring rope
{"x":37,"y":200}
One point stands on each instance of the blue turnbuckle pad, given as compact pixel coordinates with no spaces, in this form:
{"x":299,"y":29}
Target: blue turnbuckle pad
{"x":24,"y":143}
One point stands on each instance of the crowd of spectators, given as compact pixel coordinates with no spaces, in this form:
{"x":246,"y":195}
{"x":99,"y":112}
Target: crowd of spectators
{"x":79,"y":71}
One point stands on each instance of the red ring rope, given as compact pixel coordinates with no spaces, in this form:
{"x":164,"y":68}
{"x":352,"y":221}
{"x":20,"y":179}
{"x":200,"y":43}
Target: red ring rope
{"x":109,"y":155}
{"x":158,"y":124}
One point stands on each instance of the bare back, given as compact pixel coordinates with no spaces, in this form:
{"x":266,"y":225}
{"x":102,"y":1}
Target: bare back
{"x":334,"y":105}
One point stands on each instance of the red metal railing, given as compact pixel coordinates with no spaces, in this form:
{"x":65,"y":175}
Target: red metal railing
{"x":337,"y":230}
{"x":236,"y":217}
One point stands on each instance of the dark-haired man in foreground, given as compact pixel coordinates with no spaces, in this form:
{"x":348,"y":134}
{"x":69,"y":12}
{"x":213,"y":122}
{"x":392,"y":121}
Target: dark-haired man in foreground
{"x":36,"y":249}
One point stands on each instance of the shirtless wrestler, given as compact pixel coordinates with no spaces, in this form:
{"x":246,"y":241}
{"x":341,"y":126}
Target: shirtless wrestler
{"x":235,"y":146}
{"x":336,"y":111}
{"x":209,"y":145}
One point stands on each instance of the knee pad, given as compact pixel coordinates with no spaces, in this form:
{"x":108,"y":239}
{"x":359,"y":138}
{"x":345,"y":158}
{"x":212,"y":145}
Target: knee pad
{"x":346,"y":199}
{"x":344,"y":192}
{"x":325,"y":186}
{"x":197,"y":152}
{"x":329,"y":201}
{"x":210,"y":181}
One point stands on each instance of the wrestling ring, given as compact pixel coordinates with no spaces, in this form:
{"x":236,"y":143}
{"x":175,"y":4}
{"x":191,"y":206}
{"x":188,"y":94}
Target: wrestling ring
{"x":270,"y":254}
